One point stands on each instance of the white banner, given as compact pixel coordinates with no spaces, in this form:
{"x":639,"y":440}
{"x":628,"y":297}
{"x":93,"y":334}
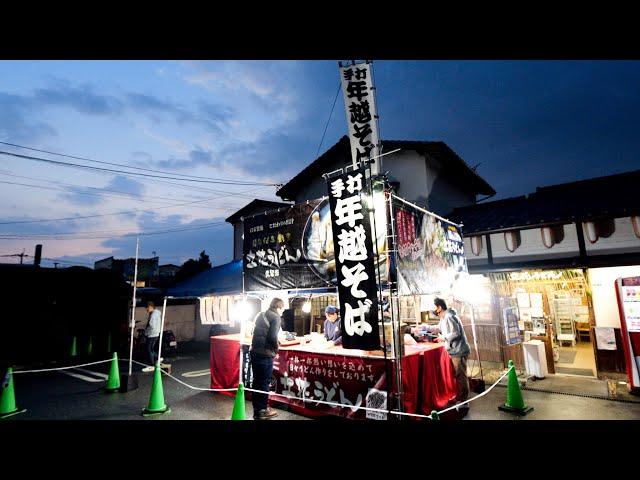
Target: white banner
{"x":360,"y":106}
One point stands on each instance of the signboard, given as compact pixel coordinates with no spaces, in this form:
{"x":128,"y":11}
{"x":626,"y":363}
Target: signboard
{"x":631,"y":301}
{"x":359,"y":102}
{"x":430,"y":253}
{"x":289,"y":248}
{"x":350,"y":381}
{"x":355,"y":270}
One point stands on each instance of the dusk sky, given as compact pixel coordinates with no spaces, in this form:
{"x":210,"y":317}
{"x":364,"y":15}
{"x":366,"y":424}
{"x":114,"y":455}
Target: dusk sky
{"x":526,"y":124}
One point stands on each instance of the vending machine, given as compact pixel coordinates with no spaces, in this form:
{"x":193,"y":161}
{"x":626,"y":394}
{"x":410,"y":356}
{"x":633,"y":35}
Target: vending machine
{"x":628,"y":292}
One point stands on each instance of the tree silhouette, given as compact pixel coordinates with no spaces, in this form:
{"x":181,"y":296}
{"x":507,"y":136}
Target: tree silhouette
{"x":193,"y":267}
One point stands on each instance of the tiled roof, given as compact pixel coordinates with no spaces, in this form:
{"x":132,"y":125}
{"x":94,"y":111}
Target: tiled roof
{"x":611,"y":196}
{"x":255,"y":206}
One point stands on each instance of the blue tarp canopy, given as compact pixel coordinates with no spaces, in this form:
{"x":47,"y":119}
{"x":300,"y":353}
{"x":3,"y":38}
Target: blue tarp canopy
{"x":221,"y":280}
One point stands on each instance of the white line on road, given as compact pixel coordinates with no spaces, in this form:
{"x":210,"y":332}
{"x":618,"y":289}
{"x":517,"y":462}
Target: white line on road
{"x":81,"y":377}
{"x":197,"y":373}
{"x":91,"y":372}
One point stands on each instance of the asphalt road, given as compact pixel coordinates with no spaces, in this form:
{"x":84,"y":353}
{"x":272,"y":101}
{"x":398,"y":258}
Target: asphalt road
{"x":76,"y":395}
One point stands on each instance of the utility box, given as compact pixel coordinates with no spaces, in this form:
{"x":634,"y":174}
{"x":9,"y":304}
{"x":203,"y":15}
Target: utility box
{"x":535,"y":359}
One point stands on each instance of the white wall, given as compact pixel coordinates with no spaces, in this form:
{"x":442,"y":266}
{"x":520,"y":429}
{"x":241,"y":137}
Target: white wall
{"x":623,"y":240}
{"x":481,"y":259}
{"x":532,"y":247}
{"x":410,"y":170}
{"x":605,"y":303}
{"x":180,"y":319}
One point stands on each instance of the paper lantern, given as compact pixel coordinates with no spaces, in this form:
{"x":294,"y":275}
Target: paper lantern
{"x":548,"y":239}
{"x":635,"y":221}
{"x":512,"y":240}
{"x":476,"y":245}
{"x":591,"y":231}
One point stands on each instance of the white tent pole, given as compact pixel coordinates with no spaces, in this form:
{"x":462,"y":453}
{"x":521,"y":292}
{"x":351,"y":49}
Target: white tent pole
{"x":133,"y":307}
{"x":164,"y":310}
{"x":475,"y":340}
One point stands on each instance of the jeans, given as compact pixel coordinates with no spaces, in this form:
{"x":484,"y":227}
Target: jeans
{"x":262,"y":367}
{"x":460,"y":366}
{"x":152,"y":349}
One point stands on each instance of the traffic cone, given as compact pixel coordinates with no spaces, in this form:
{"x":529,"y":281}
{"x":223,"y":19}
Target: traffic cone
{"x":7,"y":397}
{"x":74,"y":347}
{"x":156,"y":399}
{"x":113,"y":382}
{"x":239,"y":405}
{"x":515,"y":402}
{"x":434,"y":415}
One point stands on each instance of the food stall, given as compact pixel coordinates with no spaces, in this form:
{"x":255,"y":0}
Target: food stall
{"x":289,"y":253}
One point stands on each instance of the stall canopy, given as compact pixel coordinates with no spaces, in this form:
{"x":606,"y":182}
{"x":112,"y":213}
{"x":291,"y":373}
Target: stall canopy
{"x":221,"y":280}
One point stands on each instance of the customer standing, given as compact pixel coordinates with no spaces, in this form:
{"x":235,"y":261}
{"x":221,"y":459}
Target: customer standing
{"x":152,"y":332}
{"x":264,"y":348}
{"x":452,"y":334}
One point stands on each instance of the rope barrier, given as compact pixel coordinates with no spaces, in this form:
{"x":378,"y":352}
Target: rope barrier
{"x":186,"y":384}
{"x":60,"y":368}
{"x":274,"y":394}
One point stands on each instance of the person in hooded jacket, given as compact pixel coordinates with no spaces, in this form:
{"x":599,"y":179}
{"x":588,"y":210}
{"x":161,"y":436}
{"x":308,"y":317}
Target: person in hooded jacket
{"x":451,"y":332}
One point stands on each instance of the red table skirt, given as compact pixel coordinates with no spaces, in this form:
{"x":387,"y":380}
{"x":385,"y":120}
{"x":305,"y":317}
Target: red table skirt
{"x":428,"y":378}
{"x":438,"y":380}
{"x":225,"y":362}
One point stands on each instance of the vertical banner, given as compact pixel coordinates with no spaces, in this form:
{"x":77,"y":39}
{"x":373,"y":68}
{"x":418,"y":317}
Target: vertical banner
{"x":359,"y":102}
{"x":355,"y":268}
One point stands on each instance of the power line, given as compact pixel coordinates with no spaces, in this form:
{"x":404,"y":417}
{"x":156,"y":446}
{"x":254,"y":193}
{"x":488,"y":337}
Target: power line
{"x":119,"y":172}
{"x":57,"y":236}
{"x":44,"y":187}
{"x":214,"y":180}
{"x":328,"y":120}
{"x":122,"y":194}
{"x":64,"y":219}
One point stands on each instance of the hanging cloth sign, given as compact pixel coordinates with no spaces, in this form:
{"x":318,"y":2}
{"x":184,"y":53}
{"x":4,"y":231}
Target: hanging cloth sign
{"x":359,"y":102}
{"x":355,"y":269}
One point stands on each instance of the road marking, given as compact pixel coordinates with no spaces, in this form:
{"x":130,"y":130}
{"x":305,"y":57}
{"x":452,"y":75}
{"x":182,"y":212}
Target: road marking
{"x":197,"y":373}
{"x":81,"y":377}
{"x":91,"y":372}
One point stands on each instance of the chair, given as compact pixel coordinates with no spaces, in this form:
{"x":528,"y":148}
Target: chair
{"x":582,"y":329}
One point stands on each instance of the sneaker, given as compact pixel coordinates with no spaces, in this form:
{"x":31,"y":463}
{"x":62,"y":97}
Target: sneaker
{"x":148,"y":369}
{"x":265,"y":414}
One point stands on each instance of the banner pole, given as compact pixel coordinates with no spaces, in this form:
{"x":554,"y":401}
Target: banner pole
{"x":164,"y":310}
{"x":133,"y":307}
{"x":395,"y":307}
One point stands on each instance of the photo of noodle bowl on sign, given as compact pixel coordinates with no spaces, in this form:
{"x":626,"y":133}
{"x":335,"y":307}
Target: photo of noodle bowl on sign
{"x":430,"y":253}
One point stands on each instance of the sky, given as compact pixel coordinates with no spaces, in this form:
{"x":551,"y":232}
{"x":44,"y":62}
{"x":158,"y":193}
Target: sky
{"x":524,"y":124}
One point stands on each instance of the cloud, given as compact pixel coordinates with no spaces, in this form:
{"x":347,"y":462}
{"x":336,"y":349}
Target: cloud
{"x":196,"y":158}
{"x":83,"y":99}
{"x":17,"y":122}
{"x":128,"y":185}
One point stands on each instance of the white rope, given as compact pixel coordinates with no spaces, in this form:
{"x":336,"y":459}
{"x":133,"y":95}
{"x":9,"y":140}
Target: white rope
{"x":60,"y":368}
{"x":186,"y":384}
{"x":477,"y":396}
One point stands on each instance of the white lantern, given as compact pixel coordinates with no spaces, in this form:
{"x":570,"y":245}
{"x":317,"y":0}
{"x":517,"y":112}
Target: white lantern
{"x":548,"y":238}
{"x":512,"y":240}
{"x":476,"y":245}
{"x":635,"y":221}
{"x":592,"y":231}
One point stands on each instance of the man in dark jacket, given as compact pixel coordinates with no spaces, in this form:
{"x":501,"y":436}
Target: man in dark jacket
{"x":264,"y":348}
{"x":333,"y":325}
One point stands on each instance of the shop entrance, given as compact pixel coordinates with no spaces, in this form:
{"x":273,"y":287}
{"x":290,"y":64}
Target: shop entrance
{"x":553,"y":306}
